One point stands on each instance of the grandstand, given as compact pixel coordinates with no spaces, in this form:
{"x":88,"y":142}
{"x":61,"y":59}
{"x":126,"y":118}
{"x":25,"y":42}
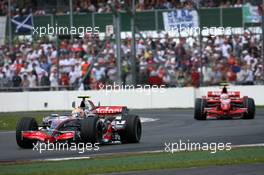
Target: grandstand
{"x":161,"y":57}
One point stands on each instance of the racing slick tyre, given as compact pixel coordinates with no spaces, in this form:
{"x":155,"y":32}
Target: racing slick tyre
{"x":132,"y":131}
{"x":25,"y":124}
{"x":91,"y":130}
{"x":199,"y":113}
{"x":250,"y":105}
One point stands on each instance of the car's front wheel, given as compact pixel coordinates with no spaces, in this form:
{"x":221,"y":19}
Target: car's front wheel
{"x":250,"y":105}
{"x":199,"y":106}
{"x":25,"y":124}
{"x":132,"y":131}
{"x":91,"y":130}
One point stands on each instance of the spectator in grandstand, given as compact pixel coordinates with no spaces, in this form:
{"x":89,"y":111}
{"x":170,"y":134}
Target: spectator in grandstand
{"x":37,"y":71}
{"x":182,"y":79}
{"x":8,"y":72}
{"x":85,"y":66}
{"x":238,"y":3}
{"x":16,"y":79}
{"x":4,"y":81}
{"x":226,"y":49}
{"x":25,"y":82}
{"x":98,"y":72}
{"x":103,"y":8}
{"x":44,"y":64}
{"x":32,"y":79}
{"x":44,"y":81}
{"x":40,"y":12}
{"x":258,"y":74}
{"x":111,"y":73}
{"x":64,"y":80}
{"x":195,"y":77}
{"x":207,"y":75}
{"x":74,"y":77}
{"x":54,"y":80}
{"x":166,"y":79}
{"x":230,"y":75}
{"x":217,"y":75}
{"x":242,"y":75}
{"x":249,"y":79}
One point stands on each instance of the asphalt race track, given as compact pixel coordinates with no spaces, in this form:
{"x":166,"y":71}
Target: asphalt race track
{"x":172,"y":125}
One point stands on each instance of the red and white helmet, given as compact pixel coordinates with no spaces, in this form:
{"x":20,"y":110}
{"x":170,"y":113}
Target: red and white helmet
{"x":224,"y":96}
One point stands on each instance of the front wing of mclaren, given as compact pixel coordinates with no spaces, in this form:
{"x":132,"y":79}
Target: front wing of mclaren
{"x":46,"y":137}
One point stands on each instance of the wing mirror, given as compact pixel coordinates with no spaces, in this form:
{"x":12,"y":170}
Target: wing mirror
{"x":73,"y":104}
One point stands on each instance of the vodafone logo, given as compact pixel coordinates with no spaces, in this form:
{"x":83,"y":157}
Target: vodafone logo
{"x":109,"y":110}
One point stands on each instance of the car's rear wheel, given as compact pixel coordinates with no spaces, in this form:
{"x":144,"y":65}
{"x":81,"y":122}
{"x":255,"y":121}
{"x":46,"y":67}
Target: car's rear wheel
{"x":25,"y":124}
{"x":132,"y":131}
{"x":91,"y":130}
{"x":250,"y":105}
{"x":199,"y":113}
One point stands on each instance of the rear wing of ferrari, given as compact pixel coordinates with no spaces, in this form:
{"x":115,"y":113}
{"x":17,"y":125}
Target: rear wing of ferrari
{"x":218,"y":93}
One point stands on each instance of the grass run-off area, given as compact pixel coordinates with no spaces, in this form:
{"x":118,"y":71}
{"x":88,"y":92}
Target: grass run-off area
{"x":8,"y":120}
{"x":136,"y":162}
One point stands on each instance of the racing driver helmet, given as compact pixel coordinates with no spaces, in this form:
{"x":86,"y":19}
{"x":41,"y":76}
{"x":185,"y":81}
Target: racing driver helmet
{"x":224,"y":96}
{"x":78,"y":113}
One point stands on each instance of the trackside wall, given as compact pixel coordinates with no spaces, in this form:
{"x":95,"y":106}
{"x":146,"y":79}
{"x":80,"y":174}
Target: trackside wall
{"x":136,"y":99}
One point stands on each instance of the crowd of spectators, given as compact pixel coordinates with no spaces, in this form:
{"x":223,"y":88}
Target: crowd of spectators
{"x":177,"y":62}
{"x":174,"y":62}
{"x":101,"y":6}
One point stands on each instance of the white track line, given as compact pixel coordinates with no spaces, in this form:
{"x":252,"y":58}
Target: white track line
{"x":65,"y":158}
{"x":248,"y":145}
{"x":145,"y":119}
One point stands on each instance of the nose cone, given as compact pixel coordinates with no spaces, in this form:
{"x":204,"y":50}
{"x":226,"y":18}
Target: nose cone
{"x":225,"y":106}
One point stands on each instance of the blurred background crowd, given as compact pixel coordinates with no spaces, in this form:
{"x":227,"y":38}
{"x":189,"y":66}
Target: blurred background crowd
{"x":174,"y":62}
{"x":171,"y":61}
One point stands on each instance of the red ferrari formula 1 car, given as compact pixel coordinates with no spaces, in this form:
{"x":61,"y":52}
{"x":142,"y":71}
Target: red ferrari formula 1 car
{"x":87,"y":123}
{"x":224,"y":104}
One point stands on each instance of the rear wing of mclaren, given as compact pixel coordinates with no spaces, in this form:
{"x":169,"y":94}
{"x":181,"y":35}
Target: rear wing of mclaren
{"x":110,"y":110}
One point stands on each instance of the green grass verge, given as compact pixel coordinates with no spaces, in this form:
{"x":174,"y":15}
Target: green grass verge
{"x":8,"y":120}
{"x":139,"y":162}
